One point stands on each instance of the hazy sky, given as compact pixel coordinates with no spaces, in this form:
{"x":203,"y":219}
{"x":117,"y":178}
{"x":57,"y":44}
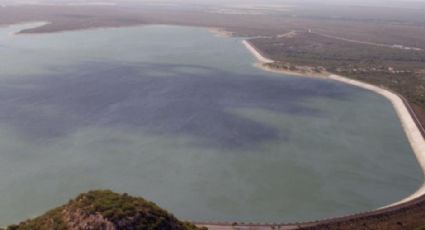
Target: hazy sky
{"x":217,"y":1}
{"x":385,"y":3}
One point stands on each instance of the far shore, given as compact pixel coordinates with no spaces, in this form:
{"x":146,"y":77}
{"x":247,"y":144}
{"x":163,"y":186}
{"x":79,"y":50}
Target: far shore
{"x":411,"y":130}
{"x":219,"y":32}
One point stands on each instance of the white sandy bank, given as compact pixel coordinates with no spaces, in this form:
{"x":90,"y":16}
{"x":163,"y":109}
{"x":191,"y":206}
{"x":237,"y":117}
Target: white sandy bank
{"x":256,"y":54}
{"x":412,"y":131}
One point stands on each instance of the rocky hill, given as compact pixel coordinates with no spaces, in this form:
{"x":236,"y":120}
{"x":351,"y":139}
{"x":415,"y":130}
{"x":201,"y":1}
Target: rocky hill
{"x":105,"y":210}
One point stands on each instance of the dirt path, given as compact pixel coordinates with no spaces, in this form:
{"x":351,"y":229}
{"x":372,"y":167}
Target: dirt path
{"x":365,"y":42}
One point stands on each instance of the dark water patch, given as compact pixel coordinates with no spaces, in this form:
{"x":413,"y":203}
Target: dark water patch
{"x":229,"y":142}
{"x":161,"y":99}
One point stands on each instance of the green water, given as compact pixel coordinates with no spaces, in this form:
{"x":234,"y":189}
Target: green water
{"x":181,"y":117}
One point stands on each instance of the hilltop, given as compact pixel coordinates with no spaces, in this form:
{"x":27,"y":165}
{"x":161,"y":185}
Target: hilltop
{"x":105,"y":210}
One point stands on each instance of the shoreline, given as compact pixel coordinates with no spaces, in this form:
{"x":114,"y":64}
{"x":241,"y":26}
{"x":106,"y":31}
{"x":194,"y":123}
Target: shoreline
{"x":309,"y":74}
{"x":411,"y":130}
{"x":261,"y":59}
{"x":220,"y":32}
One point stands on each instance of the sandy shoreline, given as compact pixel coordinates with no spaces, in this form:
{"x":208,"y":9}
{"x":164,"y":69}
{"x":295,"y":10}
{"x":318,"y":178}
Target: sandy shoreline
{"x":411,"y":130}
{"x":261,"y":59}
{"x":292,"y":73}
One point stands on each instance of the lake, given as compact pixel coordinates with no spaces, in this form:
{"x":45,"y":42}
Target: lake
{"x":183,"y":118}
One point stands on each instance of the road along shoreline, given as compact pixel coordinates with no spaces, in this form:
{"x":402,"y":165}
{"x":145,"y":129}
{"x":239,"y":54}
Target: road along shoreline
{"x":409,"y":125}
{"x":408,"y":122}
{"x":412,"y":128}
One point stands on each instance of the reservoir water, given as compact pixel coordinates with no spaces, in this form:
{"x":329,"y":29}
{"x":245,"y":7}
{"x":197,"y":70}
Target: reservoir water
{"x":183,"y":118}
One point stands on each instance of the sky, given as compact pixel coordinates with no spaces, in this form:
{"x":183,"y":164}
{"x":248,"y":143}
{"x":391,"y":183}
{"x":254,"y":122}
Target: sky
{"x":219,"y":1}
{"x":382,"y":3}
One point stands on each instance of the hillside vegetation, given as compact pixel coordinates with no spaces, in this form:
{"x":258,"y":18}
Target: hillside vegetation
{"x":105,"y":210}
